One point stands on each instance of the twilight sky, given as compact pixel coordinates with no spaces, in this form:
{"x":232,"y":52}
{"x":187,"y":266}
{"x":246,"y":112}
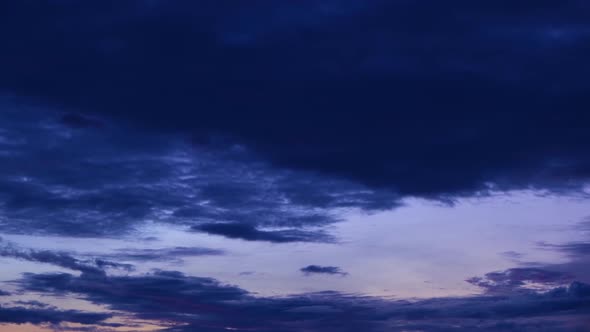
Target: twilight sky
{"x":287,"y":166}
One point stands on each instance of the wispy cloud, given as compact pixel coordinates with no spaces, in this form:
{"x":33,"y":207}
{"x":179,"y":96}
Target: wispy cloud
{"x":251,"y":233}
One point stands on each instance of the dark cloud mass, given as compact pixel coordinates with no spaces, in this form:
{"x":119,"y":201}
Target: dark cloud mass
{"x":423,"y":98}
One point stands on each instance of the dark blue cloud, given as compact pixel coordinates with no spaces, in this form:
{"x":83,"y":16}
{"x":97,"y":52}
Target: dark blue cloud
{"x":534,"y":276}
{"x":108,"y":180}
{"x":161,"y":295}
{"x":316,"y":269}
{"x":517,"y":279}
{"x":21,"y":315}
{"x":62,"y":259}
{"x":425,"y":99}
{"x":270,"y":114}
{"x":206,"y":305}
{"x":251,"y":233}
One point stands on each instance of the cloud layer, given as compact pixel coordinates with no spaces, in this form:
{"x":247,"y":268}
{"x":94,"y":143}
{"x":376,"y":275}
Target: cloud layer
{"x":207,"y":305}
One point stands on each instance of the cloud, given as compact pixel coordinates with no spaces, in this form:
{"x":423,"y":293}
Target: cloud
{"x":32,"y":303}
{"x":108,"y":181}
{"x":61,"y":259}
{"x":163,"y":254}
{"x":79,"y":121}
{"x":346,"y":105}
{"x":21,"y":315}
{"x":576,"y":252}
{"x":539,"y":276}
{"x":316,"y":269}
{"x":251,"y":233}
{"x":520,"y":279}
{"x":573,"y":249}
{"x":204,"y":304}
{"x":4,"y":293}
{"x":493,"y":97}
{"x":161,"y":295}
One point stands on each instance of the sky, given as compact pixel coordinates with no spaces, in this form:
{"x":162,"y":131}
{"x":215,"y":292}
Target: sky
{"x":294,"y":166}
